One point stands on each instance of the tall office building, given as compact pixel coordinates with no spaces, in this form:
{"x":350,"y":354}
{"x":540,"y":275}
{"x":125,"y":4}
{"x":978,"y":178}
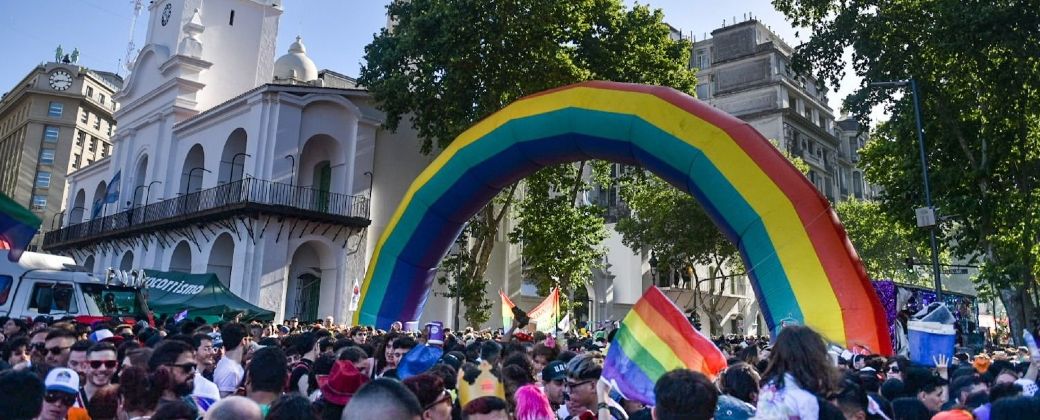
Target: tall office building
{"x":745,"y":70}
{"x":57,"y":119}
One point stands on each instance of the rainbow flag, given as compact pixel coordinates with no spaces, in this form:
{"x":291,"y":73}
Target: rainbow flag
{"x":507,"y":310}
{"x":547,"y":314}
{"x":543,"y":317}
{"x":18,"y":225}
{"x":641,"y":354}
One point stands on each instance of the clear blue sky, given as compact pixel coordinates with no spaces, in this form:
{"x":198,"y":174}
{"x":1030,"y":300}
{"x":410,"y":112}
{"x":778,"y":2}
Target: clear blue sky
{"x":335,"y":31}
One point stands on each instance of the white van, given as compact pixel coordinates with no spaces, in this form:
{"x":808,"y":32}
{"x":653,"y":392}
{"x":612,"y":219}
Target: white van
{"x":52,"y":285}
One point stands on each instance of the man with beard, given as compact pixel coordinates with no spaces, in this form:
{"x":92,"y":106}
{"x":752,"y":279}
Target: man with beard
{"x":206,"y":391}
{"x":78,"y":362}
{"x":173,"y":368}
{"x":554,"y":377}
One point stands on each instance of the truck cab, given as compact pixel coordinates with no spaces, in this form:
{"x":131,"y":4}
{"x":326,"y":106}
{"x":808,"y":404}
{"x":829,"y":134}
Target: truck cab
{"x":52,"y":285}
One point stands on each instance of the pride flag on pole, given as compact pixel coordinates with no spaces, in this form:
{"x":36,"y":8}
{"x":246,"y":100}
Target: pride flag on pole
{"x":507,"y":310}
{"x":656,"y":338}
{"x":546,"y":314}
{"x":18,"y":225}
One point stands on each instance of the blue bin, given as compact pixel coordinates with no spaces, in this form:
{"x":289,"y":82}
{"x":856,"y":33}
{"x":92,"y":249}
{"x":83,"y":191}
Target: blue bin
{"x":929,"y":340}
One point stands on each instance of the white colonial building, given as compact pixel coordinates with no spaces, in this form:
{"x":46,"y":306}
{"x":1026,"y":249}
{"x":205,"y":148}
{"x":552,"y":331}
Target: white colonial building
{"x":265,"y":172}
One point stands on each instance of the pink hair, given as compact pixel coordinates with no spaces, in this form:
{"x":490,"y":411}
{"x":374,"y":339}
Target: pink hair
{"x":532,"y":404}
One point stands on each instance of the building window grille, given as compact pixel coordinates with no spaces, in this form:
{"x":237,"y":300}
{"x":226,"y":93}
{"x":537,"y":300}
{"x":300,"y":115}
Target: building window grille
{"x":51,"y":133}
{"x":43,"y":179}
{"x":55,"y":109}
{"x":46,"y":156}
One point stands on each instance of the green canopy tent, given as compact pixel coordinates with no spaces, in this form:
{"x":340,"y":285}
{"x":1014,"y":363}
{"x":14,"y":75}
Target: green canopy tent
{"x":171,"y":292}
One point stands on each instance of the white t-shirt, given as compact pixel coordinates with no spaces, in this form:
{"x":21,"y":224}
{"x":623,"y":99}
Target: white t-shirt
{"x":205,"y":392}
{"x":228,"y":375}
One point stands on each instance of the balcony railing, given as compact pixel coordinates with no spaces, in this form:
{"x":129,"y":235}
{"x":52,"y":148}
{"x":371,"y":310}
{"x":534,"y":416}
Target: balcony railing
{"x":246,"y":196}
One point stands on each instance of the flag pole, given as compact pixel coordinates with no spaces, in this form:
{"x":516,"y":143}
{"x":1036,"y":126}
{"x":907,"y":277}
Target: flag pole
{"x":556,"y":311}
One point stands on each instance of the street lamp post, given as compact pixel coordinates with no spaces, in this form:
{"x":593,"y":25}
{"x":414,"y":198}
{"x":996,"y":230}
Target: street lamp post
{"x":187,"y":185}
{"x":292,"y":170}
{"x":653,"y":268}
{"x":231,"y":176}
{"x":55,"y":216}
{"x":148,"y":191}
{"x":133,"y":200}
{"x":81,"y":209}
{"x":912,"y":83}
{"x":460,"y":249}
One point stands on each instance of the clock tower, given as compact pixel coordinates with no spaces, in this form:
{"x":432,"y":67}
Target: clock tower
{"x":201,"y":53}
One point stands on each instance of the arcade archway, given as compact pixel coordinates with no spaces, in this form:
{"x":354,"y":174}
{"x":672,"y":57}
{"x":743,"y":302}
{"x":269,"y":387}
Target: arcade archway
{"x":801,"y":265}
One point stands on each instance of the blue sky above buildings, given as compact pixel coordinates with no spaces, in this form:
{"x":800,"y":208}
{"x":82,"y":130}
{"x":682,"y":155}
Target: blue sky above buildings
{"x":334,"y":31}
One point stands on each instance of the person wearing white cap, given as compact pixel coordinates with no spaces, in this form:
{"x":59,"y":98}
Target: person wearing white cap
{"x":62,"y":386}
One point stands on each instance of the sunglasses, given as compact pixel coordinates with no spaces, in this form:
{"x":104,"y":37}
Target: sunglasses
{"x":55,"y":351}
{"x":893,"y":369}
{"x":109,"y":364}
{"x":572,"y":385}
{"x":40,"y":347}
{"x":445,"y":397}
{"x":54,"y":397}
{"x":186,"y":367}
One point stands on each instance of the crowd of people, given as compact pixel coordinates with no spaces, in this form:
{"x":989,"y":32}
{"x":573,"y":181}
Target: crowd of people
{"x":190,"y":369}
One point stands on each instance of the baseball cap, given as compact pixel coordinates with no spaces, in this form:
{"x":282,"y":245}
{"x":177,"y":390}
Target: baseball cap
{"x":62,"y":380}
{"x":218,"y":341}
{"x":105,"y":334}
{"x":554,"y":370}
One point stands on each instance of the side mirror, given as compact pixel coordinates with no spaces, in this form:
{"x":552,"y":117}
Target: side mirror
{"x":45,"y":300}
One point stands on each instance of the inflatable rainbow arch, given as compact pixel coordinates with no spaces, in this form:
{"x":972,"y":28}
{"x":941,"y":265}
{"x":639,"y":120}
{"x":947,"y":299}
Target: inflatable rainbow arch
{"x":802,"y":266}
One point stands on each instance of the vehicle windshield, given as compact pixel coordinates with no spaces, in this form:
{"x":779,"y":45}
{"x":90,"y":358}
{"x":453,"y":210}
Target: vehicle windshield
{"x":110,"y":300}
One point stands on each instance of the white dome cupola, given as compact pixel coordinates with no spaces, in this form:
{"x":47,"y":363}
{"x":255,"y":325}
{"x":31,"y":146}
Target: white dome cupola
{"x":295,"y":66}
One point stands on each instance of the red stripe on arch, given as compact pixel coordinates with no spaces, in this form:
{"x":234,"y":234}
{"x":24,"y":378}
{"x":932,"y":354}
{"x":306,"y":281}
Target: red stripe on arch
{"x":835,"y":253}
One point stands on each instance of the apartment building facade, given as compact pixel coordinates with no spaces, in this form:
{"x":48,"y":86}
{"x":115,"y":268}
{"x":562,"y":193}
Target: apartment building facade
{"x":745,"y":69}
{"x":54,"y":121}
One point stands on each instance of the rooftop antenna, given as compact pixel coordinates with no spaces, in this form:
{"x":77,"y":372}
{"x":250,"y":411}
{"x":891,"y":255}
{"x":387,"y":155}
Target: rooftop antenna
{"x":131,"y":49}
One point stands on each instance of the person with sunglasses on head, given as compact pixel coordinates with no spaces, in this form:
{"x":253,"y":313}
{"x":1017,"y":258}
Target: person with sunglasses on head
{"x":172,"y":366}
{"x":61,"y":390}
{"x":101,"y":365}
{"x":59,"y":346}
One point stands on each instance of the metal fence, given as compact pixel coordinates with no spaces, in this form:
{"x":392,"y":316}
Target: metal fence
{"x":212,"y":200}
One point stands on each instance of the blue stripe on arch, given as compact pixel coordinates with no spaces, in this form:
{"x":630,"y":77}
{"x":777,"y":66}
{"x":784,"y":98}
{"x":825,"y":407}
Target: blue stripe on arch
{"x":470,"y":178}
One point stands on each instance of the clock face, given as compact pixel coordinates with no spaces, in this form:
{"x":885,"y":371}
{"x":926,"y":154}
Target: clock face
{"x":60,"y":80}
{"x":166,"y":12}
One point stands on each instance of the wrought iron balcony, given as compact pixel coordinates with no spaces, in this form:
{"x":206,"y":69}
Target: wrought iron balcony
{"x":249,"y":197}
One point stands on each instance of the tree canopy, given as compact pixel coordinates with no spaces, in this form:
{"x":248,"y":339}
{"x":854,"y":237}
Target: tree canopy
{"x":978,"y":67}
